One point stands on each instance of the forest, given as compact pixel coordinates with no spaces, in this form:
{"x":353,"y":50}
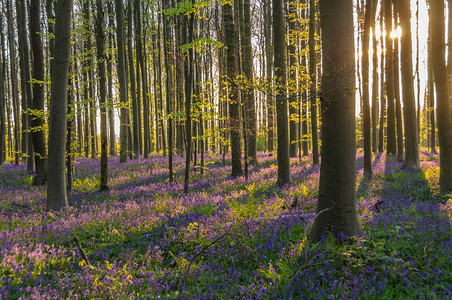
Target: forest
{"x":225,"y":149}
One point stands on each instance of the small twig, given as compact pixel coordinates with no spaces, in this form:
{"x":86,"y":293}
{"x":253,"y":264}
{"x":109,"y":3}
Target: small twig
{"x":425,"y":248}
{"x":378,"y":205}
{"x":21,"y":205}
{"x":82,"y":252}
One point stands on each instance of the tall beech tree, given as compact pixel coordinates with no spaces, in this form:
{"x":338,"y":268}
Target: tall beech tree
{"x":133,"y":89}
{"x":169,"y":90}
{"x":14,"y":85}
{"x":56,"y":185}
{"x":336,"y":207}
{"x":2,"y":96}
{"x":313,"y":83}
{"x":293,"y":104}
{"x":398,"y":106}
{"x":249,"y":97}
{"x":100,"y":44}
{"x":24,"y":55}
{"x":442,"y":92}
{"x":279,"y":46}
{"x":269,"y":75}
{"x":411,"y":160}
{"x":233,"y":93}
{"x":187,"y":36}
{"x":366,"y":97}
{"x":37,"y":122}
{"x":391,"y":146}
{"x":124,"y":124}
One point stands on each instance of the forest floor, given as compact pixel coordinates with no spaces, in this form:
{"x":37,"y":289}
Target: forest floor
{"x":228,"y":238}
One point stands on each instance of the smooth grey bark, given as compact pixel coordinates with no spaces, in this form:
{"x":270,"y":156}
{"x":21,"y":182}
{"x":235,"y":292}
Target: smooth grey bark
{"x":100,"y":44}
{"x":313,"y":84}
{"x":14,"y":85}
{"x":231,"y":70}
{"x":249,"y":97}
{"x":336,"y":207}
{"x":411,"y":160}
{"x":146,"y":139}
{"x":431,"y":96}
{"x":56,"y":185}
{"x":133,"y":88}
{"x":293,"y":103}
{"x":24,"y":55}
{"x":375,"y":109}
{"x":69,"y":127}
{"x":169,"y":91}
{"x":37,"y":122}
{"x":442,"y":92}
{"x":188,"y":74}
{"x":2,"y":96}
{"x":366,"y":99}
{"x":398,"y":106}
{"x":391,"y":146}
{"x":382,"y":121}
{"x":123,"y":134}
{"x":269,"y":75}
{"x":281,"y":99}
{"x":111,"y":117}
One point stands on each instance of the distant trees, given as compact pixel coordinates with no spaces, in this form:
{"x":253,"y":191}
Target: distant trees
{"x":249,"y":70}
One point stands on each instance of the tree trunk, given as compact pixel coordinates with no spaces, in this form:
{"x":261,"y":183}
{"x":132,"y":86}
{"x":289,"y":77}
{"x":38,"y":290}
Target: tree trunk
{"x":409,"y":109}
{"x":234,"y":119}
{"x":159,"y":105}
{"x":56,"y":186}
{"x":391,"y":146}
{"x":2,"y":96}
{"x":269,"y":70}
{"x":374,"y":85}
{"x":281,"y":100}
{"x":69,"y":123}
{"x":365,"y":80}
{"x":188,"y":73}
{"x":111,"y":117}
{"x":418,"y":79}
{"x":313,"y":84}
{"x":37,"y":122}
{"x":397,"y":90}
{"x":431,"y":95}
{"x":293,"y":103}
{"x":146,"y":139}
{"x":133,"y":87}
{"x":169,"y":90}
{"x":249,"y":98}
{"x":24,"y":55}
{"x":336,"y":208}
{"x":100,"y":44}
{"x":123,"y":134}
{"x":14,"y":90}
{"x":382,"y":131}
{"x":442,"y":92}
{"x":449,"y":50}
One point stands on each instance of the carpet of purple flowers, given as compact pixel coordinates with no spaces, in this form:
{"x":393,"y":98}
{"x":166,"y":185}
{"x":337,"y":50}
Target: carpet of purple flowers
{"x":227,"y":239}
